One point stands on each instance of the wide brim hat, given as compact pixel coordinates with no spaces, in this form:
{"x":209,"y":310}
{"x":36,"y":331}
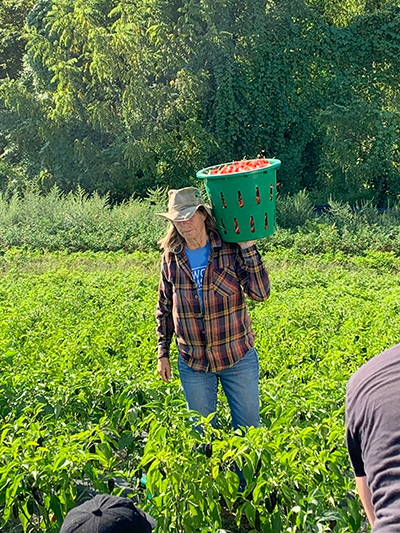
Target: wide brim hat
{"x":106,"y":513}
{"x":183,"y":204}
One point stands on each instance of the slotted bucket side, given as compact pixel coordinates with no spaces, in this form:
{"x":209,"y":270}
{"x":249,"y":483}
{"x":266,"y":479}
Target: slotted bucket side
{"x":243,"y":203}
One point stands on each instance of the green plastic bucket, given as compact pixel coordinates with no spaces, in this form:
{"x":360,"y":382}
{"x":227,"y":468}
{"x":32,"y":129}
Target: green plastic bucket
{"x":243,"y":203}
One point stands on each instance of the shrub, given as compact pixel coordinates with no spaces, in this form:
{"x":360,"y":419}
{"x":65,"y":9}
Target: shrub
{"x":79,"y":222}
{"x":293,"y":211}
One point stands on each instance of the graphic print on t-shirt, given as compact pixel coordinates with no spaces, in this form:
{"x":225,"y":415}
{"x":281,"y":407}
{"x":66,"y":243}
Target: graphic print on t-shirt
{"x":198,"y":274}
{"x":198,"y":260}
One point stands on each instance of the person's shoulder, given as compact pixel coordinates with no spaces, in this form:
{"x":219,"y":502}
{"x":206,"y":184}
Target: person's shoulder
{"x":229,"y":251}
{"x":217,"y":243}
{"x":230,"y":246}
{"x":168,"y":256}
{"x":387,"y":363}
{"x":168,"y":261}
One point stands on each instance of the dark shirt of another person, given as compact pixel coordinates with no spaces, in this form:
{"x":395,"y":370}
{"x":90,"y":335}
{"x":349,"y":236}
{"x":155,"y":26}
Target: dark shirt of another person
{"x":373,"y":434}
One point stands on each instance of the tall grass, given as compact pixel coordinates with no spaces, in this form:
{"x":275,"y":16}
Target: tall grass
{"x":79,"y":222}
{"x":341,"y":228}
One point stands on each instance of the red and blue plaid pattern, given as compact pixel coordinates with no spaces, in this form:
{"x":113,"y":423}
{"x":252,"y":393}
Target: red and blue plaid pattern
{"x":220,"y":336}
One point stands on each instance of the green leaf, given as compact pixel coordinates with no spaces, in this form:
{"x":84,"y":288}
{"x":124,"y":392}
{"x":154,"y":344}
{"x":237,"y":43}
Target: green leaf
{"x":276,"y":523}
{"x":250,"y":512}
{"x":55,"y":506}
{"x":125,"y":440}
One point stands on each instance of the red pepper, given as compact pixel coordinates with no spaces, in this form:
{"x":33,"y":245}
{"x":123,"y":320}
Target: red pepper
{"x":223,"y":200}
{"x":241,"y":166}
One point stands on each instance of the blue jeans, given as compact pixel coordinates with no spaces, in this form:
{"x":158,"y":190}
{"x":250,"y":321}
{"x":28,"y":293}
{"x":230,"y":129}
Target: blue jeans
{"x":239,"y":382}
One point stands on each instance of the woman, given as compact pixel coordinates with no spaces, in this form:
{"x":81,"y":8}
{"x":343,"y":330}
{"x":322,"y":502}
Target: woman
{"x":201,"y":300}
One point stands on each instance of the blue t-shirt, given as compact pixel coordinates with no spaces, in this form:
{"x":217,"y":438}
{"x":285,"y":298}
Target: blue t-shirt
{"x":198,"y":260}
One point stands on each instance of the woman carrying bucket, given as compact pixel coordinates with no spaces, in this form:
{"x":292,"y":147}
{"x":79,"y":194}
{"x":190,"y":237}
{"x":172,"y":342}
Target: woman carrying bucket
{"x":201,"y":301}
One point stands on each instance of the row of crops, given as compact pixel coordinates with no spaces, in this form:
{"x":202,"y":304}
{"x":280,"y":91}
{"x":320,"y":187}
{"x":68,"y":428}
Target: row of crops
{"x":82,"y":409}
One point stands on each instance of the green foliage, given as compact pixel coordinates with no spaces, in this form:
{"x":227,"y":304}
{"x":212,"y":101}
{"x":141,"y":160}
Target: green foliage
{"x":121,"y":97}
{"x":76,"y":222}
{"x":12,"y":40}
{"x":294,"y":211}
{"x":361,"y":123}
{"x":79,"y":222}
{"x":81,"y":406}
{"x":40,"y":462}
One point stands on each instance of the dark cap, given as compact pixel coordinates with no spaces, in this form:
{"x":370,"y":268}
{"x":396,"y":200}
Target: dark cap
{"x":107,"y":514}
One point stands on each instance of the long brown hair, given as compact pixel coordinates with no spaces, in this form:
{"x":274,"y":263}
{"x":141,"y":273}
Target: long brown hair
{"x":174,"y":242}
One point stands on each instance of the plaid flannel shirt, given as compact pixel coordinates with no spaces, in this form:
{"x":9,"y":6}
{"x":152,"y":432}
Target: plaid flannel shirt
{"x":217,"y":337}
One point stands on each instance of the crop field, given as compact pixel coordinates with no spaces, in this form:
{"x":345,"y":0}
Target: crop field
{"x":83,"y":410}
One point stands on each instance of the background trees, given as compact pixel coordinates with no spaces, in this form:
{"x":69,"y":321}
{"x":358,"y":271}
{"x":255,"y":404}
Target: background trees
{"x":125,"y":95}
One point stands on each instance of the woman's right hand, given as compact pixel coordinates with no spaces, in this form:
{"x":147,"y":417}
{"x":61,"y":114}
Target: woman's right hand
{"x":164,"y":369}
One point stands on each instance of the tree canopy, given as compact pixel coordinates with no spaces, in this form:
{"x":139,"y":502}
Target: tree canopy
{"x":127,"y":95}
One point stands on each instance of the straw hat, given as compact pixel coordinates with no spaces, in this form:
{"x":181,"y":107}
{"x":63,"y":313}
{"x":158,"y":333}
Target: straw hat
{"x":183,"y":203}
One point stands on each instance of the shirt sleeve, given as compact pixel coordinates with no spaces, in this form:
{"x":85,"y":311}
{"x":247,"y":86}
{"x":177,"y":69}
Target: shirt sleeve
{"x":354,"y":449}
{"x":165,"y":325}
{"x":354,"y":414}
{"x":253,"y":274}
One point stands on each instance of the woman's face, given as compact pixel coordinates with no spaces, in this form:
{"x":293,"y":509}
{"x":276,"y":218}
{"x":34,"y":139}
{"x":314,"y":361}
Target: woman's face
{"x":193,"y":228}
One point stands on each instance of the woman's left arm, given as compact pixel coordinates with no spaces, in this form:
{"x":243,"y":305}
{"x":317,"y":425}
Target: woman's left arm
{"x":252,"y":272}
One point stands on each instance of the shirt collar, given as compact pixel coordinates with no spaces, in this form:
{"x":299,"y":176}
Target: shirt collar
{"x":215,"y":239}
